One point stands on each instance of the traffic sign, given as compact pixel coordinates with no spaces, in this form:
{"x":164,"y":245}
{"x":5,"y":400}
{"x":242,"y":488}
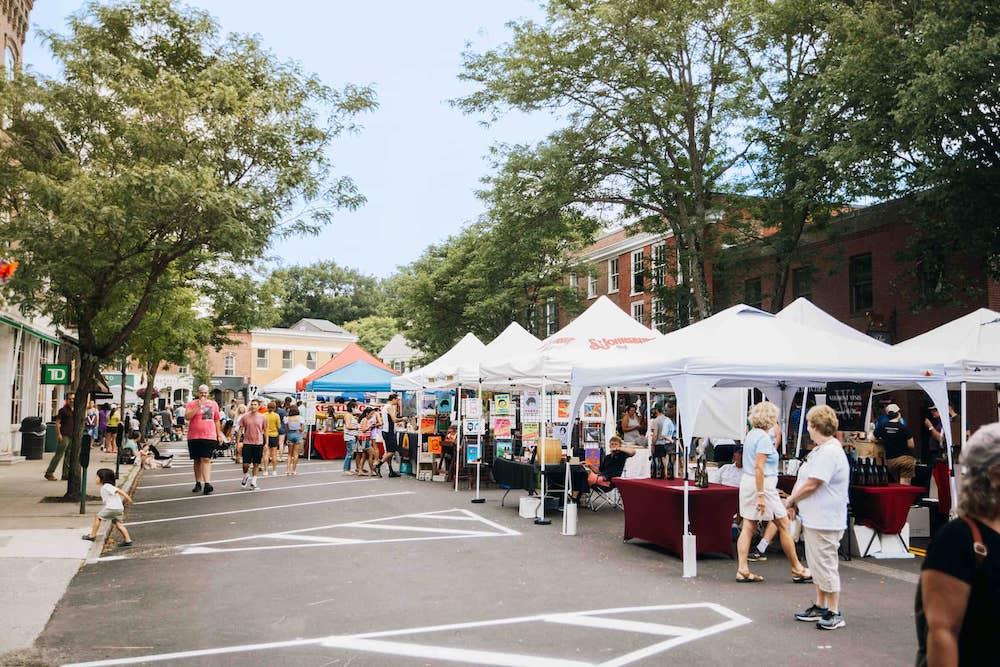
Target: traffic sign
{"x":252,"y":391}
{"x":55,"y":374}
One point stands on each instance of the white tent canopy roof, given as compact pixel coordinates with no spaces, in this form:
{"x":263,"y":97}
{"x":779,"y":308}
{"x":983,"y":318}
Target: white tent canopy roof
{"x":285,"y":383}
{"x":465,"y":352}
{"x":969,"y":347}
{"x":513,"y":341}
{"x":601,"y":330}
{"x":806,"y":313}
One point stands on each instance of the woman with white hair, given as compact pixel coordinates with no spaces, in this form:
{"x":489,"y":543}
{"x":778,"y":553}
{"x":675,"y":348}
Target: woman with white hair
{"x":958,"y":599}
{"x":759,"y":500}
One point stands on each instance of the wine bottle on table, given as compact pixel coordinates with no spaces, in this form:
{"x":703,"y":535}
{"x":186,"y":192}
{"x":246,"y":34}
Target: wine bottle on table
{"x":869,"y":473}
{"x":884,"y":474}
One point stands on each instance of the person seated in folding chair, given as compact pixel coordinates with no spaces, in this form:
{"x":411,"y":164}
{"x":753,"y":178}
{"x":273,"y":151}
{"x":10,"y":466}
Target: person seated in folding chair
{"x":612,"y":465}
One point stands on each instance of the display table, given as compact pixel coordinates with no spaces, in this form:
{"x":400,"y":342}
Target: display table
{"x":328,"y":445}
{"x":654,"y":511}
{"x":881,"y":512}
{"x":511,"y":475}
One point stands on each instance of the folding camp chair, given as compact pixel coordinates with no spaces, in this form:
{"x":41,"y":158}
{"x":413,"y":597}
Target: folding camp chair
{"x":603,"y":496}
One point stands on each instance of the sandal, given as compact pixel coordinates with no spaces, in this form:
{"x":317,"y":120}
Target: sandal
{"x":804,"y":577}
{"x":748,"y":578}
{"x":88,"y":538}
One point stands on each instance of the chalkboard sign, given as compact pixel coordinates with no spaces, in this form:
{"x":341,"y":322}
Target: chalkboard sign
{"x":850,"y":401}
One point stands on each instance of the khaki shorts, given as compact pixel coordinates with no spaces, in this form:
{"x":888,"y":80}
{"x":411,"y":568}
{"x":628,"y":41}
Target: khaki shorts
{"x":902,"y":466}
{"x":773,"y":507}
{"x":821,"y":556}
{"x":114,"y":516}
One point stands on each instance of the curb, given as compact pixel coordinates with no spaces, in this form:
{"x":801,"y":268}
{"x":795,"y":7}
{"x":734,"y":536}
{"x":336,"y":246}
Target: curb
{"x":104,"y":530}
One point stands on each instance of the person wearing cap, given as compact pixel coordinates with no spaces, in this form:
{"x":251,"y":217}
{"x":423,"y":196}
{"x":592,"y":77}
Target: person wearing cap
{"x":897,"y":440}
{"x":957,"y":614}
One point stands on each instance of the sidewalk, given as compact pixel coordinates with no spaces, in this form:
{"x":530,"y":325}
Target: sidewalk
{"x":40,"y":545}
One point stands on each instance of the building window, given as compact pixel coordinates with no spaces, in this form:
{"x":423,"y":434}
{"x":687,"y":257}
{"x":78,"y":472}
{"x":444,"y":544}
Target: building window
{"x":45,"y":356}
{"x":639,"y":312}
{"x":311,"y":360}
{"x":530,"y":320}
{"x":182,"y":370}
{"x":802,"y":282}
{"x":286,"y":359}
{"x":551,"y":317}
{"x":18,"y":384}
{"x":638,"y":277}
{"x":9,"y":63}
{"x":659,"y":264}
{"x":229,"y":365}
{"x":574,"y":284}
{"x":752,"y":293}
{"x":612,"y":275}
{"x":591,"y":285}
{"x":659,"y":315}
{"x":262,"y":360}
{"x":861,"y":283}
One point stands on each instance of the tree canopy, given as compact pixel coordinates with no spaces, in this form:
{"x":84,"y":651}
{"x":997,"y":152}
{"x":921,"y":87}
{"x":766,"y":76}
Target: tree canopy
{"x":164,"y":148}
{"x":323,"y":290}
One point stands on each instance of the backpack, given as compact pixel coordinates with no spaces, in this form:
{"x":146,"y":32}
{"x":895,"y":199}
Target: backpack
{"x":919,"y":617}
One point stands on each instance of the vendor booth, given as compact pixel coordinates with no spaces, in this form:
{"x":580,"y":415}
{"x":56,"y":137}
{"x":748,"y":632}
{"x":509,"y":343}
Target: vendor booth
{"x":284,"y":385}
{"x":746,"y":347}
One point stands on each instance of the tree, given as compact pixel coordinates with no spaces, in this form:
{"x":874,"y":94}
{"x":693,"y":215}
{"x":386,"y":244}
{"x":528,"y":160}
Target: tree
{"x":373,"y":332}
{"x":920,"y":83}
{"x":323,"y":290}
{"x":164,"y":149}
{"x":655,"y":101}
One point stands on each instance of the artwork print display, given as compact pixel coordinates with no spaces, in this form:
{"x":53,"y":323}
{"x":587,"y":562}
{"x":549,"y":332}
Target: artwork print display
{"x":593,"y":410}
{"x":472,"y":452}
{"x":501,"y":428}
{"x":504,"y":449}
{"x":531,"y":407}
{"x":408,"y":404}
{"x":562,"y":409}
{"x":501,"y":405}
{"x":529,"y":433}
{"x":472,"y":408}
{"x":472,"y":426}
{"x":444,"y":404}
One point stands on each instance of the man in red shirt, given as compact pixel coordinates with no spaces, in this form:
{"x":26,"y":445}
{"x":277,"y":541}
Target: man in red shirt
{"x":204,"y":433}
{"x":252,"y":426}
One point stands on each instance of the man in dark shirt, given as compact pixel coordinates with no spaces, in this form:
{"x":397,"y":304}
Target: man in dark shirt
{"x":65,"y":428}
{"x":897,"y":440}
{"x":613,"y":463}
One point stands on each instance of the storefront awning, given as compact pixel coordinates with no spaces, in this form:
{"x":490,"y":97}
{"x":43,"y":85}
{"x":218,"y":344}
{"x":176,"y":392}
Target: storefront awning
{"x":29,"y":330}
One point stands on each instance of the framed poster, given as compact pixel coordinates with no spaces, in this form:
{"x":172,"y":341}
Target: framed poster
{"x":529,"y":433}
{"x":472,"y":426}
{"x":408,"y":404}
{"x":434,"y":444}
{"x":427,"y":425}
{"x":850,"y":401}
{"x":531,"y":407}
{"x":501,"y":405}
{"x":593,"y":409}
{"x":563,"y":434}
{"x":443,"y":422}
{"x":561,"y":409}
{"x":591,"y":434}
{"x":501,"y":428}
{"x":471,"y":452}
{"x":472,"y":408}
{"x":444,"y":403}
{"x":592,"y":455}
{"x":505,"y":449}
{"x":428,"y":402}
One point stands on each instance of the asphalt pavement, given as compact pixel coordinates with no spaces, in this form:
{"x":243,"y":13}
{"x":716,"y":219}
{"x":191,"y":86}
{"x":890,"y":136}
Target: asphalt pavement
{"x":329,"y":569}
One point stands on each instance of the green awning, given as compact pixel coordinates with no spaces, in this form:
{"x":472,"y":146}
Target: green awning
{"x":34,"y":332}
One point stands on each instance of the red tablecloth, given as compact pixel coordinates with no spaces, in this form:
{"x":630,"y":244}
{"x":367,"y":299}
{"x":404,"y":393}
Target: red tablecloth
{"x":329,"y":445}
{"x":884,"y":508}
{"x":654,"y":511}
{"x":942,"y":478}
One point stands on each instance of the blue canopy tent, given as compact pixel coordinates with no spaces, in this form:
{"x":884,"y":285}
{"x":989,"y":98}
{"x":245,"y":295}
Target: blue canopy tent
{"x":355,"y":378}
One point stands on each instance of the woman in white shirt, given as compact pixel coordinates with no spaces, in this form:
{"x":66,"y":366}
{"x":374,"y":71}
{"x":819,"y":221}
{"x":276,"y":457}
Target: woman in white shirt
{"x":632,"y":426}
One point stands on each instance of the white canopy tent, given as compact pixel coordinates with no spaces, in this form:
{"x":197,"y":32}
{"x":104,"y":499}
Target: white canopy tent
{"x":746,"y":347}
{"x":464,"y":352}
{"x":806,"y":313}
{"x":284,"y":384}
{"x":514,"y":341}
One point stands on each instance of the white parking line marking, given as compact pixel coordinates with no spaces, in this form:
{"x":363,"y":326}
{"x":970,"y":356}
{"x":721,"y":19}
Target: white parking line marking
{"x":619,"y":625}
{"x":230,"y":479}
{"x":245,"y":492}
{"x":370,"y":641}
{"x":158,"y":475}
{"x":272,"y":507}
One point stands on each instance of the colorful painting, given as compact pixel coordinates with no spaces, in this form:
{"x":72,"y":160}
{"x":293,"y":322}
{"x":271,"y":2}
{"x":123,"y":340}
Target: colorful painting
{"x":408,"y":404}
{"x":501,"y":405}
{"x":472,"y":452}
{"x":504,"y":449}
{"x":591,"y":434}
{"x":593,"y":409}
{"x":529,"y":433}
{"x":562,"y":409}
{"x":434,"y":444}
{"x":428,"y":402}
{"x":472,"y":426}
{"x":531,"y":407}
{"x":592,"y":456}
{"x":443,"y":422}
{"x":501,"y":428}
{"x":444,"y":404}
{"x":427,"y":425}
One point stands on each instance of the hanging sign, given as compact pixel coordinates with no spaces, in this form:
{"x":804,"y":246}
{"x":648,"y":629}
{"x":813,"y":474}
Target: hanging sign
{"x":472,"y":427}
{"x":472,"y":408}
{"x":504,"y":449}
{"x":427,"y":425}
{"x":434,"y":444}
{"x":55,"y":374}
{"x":529,"y":433}
{"x":560,"y":409}
{"x":501,"y":405}
{"x":444,"y":403}
{"x":850,"y":401}
{"x":593,"y":409}
{"x":472,"y":452}
{"x":501,"y":428}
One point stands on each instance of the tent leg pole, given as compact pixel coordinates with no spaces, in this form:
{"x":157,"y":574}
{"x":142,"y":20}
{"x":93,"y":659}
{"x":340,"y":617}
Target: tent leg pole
{"x":802,"y":420}
{"x":479,"y":444}
{"x":458,"y":434}
{"x":541,"y":520}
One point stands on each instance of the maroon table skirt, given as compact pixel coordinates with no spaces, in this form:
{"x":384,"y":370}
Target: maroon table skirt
{"x":884,"y":508}
{"x":329,"y":445}
{"x":654,"y":511}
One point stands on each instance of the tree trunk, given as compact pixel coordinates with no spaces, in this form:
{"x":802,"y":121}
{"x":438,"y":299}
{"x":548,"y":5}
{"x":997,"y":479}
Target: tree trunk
{"x":781,"y":276}
{"x":147,"y":396}
{"x":85,"y":384}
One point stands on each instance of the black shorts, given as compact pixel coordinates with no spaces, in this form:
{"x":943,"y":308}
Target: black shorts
{"x":391,"y":441}
{"x":253,"y":453}
{"x":200,"y":448}
{"x":272,"y":441}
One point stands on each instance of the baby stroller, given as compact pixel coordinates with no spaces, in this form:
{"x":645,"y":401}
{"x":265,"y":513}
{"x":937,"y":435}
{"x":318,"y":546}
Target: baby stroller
{"x":225,"y":447}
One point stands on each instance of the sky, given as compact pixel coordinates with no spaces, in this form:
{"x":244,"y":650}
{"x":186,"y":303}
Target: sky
{"x":417,"y":160}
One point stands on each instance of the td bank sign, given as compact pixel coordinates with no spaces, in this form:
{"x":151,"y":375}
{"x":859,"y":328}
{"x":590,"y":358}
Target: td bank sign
{"x":55,"y":374}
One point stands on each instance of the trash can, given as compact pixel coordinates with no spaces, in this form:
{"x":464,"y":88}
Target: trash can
{"x":32,"y":438}
{"x":51,"y":442}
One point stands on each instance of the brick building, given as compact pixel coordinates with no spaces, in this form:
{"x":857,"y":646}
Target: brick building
{"x":851,"y":269}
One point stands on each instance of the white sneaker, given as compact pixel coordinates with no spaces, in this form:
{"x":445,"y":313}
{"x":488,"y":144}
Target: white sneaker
{"x":253,"y":484}
{"x":246,"y":480}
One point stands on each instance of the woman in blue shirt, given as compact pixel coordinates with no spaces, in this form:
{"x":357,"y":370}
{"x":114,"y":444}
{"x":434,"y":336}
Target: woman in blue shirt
{"x":759,"y":500}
